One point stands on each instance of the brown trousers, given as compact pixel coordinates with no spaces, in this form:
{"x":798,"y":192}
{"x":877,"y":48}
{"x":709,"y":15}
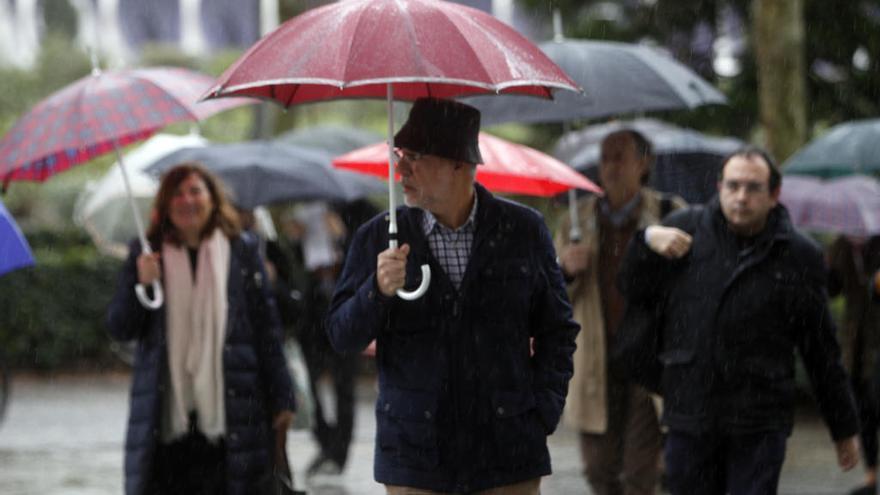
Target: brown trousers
{"x":624,"y":460}
{"x":528,"y":487}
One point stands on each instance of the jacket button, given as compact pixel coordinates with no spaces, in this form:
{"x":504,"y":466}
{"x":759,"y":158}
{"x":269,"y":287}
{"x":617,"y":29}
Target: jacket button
{"x":387,"y":406}
{"x":427,"y":414}
{"x":524,"y":269}
{"x":230,"y":393}
{"x":488,"y":271}
{"x":491,"y":244}
{"x":233,"y":436}
{"x":501,"y":411}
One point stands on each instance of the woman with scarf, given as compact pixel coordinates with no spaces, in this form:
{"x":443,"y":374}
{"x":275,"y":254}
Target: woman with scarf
{"x":210,"y":383}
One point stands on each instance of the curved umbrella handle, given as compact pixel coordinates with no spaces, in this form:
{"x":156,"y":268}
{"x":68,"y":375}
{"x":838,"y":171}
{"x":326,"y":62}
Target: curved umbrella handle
{"x":420,"y":291}
{"x":158,"y":295}
{"x":139,"y":289}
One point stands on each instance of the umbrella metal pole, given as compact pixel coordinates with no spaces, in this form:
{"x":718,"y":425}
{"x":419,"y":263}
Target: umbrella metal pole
{"x":574,"y":233}
{"x":392,"y":207}
{"x":139,"y":289}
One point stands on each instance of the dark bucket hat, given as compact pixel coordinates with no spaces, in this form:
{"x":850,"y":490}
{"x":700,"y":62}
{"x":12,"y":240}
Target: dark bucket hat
{"x":443,"y":128}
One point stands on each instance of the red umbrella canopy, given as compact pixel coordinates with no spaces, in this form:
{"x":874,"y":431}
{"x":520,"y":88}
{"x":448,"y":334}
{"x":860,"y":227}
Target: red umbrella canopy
{"x":92,"y":115}
{"x":354,"y":48}
{"x":508,"y":168}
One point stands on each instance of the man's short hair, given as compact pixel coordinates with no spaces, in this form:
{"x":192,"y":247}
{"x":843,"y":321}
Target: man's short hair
{"x":644,"y":148}
{"x":750,"y":153}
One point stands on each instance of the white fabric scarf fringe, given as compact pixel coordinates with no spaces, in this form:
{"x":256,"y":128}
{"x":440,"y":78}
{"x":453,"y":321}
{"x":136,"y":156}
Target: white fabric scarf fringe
{"x":196,"y":316}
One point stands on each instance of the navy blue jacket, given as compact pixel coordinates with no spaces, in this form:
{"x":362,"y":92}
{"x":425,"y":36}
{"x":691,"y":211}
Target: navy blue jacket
{"x":732,"y":321}
{"x":462,"y":405}
{"x":256,"y":378}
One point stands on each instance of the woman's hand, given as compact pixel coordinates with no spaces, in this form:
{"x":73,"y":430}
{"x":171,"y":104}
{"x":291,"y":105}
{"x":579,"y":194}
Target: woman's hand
{"x":148,"y":268}
{"x":283,"y":420}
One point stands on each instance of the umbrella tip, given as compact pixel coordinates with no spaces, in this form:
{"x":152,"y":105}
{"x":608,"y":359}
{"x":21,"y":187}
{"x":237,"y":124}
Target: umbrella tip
{"x":96,"y":67}
{"x":558,"y":37}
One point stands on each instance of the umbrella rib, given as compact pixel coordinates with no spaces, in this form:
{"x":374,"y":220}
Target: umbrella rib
{"x":292,"y":95}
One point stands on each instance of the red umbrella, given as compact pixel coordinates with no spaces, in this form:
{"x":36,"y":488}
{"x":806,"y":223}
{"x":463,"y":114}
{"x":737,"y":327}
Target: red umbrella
{"x":391,"y":48}
{"x":508,"y":168}
{"x":353,"y":49}
{"x":99,"y":113}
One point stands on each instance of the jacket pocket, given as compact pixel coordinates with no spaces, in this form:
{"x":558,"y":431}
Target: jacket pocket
{"x":407,"y":427}
{"x":519,"y":434}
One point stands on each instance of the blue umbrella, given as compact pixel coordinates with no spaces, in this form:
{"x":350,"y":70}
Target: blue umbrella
{"x":14,"y":250}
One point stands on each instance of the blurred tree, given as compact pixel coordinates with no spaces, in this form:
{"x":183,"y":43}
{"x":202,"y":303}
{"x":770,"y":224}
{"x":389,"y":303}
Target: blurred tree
{"x":778,"y":29}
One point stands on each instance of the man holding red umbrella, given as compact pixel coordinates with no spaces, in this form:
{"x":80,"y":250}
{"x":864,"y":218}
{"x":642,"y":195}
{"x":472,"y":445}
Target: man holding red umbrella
{"x":464,"y":406}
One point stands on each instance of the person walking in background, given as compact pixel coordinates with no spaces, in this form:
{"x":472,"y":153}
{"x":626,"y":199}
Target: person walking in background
{"x":210,"y":385}
{"x":323,"y":242}
{"x":463,"y":406}
{"x":619,"y":429}
{"x":741,"y":289}
{"x":853,"y":261}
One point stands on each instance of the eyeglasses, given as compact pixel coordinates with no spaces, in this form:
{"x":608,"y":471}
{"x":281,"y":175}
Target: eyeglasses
{"x":410,"y":156}
{"x":750,"y":187}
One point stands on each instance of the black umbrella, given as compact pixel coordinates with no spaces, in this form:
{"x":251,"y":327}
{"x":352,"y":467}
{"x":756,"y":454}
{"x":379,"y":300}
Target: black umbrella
{"x":617,"y":78}
{"x":265,"y":172}
{"x":687,"y":162}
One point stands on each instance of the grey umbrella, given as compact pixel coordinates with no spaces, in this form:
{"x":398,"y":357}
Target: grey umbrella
{"x":265,"y":172}
{"x":848,"y":148}
{"x":687,"y":162}
{"x":334,"y":139}
{"x":617,"y":78}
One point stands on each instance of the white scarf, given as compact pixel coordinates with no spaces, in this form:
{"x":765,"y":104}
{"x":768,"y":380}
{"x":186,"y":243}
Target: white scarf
{"x":195,"y":317}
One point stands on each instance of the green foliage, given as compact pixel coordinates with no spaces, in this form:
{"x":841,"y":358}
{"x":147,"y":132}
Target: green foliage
{"x":52,"y":315}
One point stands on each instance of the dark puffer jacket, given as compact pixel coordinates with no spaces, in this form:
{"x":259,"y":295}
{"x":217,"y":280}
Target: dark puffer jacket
{"x":462,"y":405}
{"x":732,"y":321}
{"x":256,"y":378}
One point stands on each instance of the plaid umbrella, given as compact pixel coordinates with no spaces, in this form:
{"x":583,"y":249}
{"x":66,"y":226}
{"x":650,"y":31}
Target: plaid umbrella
{"x":97,"y":114}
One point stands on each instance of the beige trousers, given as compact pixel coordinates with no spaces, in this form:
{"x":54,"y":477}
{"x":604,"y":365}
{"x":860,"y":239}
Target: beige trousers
{"x":528,"y":487}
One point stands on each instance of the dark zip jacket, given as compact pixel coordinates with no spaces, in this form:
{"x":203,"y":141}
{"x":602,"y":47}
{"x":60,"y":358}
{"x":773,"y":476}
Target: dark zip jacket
{"x":462,"y":405}
{"x":731,"y":323}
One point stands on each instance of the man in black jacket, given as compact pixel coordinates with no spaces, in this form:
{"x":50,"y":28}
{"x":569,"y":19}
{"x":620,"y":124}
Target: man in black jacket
{"x":465,"y":405}
{"x":742,"y":289}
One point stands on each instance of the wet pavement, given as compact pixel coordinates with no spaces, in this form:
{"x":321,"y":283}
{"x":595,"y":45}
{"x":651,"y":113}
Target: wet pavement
{"x":64,"y":436}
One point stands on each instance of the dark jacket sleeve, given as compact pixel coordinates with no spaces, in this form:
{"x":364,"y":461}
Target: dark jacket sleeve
{"x":358,"y":310}
{"x":821,"y":354}
{"x":642,"y":272}
{"x":126,"y":317}
{"x":267,"y":332}
{"x":554,"y":331}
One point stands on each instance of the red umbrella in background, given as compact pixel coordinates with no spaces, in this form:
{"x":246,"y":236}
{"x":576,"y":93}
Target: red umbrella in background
{"x":98,"y":114}
{"x":509,"y":168}
{"x":402,"y":49}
